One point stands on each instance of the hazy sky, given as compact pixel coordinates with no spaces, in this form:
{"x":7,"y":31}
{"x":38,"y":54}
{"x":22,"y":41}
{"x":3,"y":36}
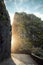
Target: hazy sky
{"x":29,"y":6}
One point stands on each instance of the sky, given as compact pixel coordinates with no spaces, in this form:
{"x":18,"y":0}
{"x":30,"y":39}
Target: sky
{"x":28,"y":6}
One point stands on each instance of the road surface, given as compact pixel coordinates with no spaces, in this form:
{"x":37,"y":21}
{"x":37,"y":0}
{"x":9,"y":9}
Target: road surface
{"x":23,"y":59}
{"x":19,"y":59}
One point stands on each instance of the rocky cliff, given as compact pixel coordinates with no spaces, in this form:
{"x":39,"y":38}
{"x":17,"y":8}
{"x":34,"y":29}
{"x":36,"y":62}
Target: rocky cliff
{"x":5,"y":29}
{"x":26,"y":30}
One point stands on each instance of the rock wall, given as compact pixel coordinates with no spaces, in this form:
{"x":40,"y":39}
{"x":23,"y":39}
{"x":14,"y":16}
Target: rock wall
{"x":19,"y":33}
{"x":26,"y":30}
{"x":5,"y":32}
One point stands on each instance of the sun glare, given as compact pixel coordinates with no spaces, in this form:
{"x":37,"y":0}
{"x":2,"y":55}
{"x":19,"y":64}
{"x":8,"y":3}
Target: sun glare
{"x":13,"y":41}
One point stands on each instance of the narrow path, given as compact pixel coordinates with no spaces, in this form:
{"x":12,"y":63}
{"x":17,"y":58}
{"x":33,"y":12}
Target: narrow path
{"x":23,"y":59}
{"x":19,"y":59}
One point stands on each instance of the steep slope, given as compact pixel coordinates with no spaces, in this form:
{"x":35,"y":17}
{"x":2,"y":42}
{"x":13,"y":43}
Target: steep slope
{"x":26,"y":30}
{"x":5,"y":37}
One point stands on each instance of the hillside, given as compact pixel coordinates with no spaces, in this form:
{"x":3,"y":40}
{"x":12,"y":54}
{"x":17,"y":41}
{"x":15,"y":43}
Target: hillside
{"x":27,"y":31}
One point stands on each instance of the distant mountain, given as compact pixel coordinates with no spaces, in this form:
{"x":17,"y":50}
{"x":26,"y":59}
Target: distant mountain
{"x":27,"y":30}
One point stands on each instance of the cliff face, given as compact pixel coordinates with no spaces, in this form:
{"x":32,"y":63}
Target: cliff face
{"x":5,"y":28}
{"x":19,"y":34}
{"x":25,"y":31}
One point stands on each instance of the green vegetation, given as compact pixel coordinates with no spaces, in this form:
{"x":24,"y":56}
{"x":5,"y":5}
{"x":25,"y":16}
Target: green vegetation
{"x":31,"y":31}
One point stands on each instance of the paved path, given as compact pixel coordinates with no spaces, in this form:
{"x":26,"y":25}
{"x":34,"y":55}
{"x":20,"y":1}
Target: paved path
{"x":23,"y":59}
{"x":19,"y":59}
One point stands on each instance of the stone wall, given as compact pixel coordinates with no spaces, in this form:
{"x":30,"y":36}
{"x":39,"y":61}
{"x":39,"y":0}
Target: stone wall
{"x":5,"y":32}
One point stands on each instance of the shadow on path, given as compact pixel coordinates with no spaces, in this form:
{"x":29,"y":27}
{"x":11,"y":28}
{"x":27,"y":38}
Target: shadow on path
{"x":8,"y":62}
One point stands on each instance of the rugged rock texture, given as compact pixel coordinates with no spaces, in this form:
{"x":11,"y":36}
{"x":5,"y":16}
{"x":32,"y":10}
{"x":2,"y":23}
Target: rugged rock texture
{"x":27,"y":30}
{"x":5,"y":36}
{"x":19,"y":34}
